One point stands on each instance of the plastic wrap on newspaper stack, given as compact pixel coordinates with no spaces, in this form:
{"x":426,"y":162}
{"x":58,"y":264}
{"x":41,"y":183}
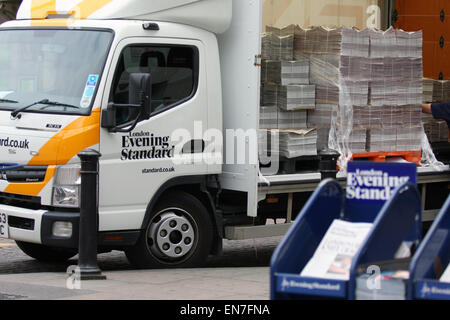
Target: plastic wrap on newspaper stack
{"x":340,"y":69}
{"x":376,"y":80}
{"x":321,"y":119}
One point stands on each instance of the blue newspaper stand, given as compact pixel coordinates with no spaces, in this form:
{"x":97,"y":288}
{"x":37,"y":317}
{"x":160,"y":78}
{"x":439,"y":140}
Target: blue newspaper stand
{"x":397,"y":220}
{"x":400,"y":220}
{"x":434,"y":249}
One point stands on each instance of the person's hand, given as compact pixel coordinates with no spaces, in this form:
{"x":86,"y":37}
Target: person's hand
{"x":426,"y":108}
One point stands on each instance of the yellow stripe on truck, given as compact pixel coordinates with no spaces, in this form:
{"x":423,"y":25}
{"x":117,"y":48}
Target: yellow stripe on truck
{"x":40,"y":9}
{"x":81,"y":134}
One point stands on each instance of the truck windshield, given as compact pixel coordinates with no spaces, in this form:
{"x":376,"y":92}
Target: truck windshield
{"x":51,"y":64}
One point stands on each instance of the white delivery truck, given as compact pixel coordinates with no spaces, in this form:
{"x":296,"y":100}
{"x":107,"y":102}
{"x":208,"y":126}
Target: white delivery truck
{"x":168,"y":195}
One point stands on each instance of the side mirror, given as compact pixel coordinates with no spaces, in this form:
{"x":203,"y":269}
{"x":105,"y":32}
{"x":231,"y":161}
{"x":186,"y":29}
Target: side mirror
{"x":141,"y":93}
{"x":139,"y":98}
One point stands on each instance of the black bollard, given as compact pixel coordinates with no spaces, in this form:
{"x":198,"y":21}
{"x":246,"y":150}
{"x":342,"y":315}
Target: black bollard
{"x":328,"y":163}
{"x":87,"y":262}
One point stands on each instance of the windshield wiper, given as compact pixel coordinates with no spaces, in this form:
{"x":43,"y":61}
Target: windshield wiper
{"x":8,"y":101}
{"x":46,"y":102}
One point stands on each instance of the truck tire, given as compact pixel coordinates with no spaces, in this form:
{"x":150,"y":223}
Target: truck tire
{"x":179,"y":235}
{"x":46,"y":254}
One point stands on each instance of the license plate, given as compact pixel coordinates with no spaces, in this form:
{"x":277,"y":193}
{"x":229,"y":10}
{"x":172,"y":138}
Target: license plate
{"x":4,"y":232}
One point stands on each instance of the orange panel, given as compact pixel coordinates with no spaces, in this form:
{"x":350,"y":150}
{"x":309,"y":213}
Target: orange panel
{"x":443,"y":60}
{"x":423,"y":15}
{"x":428,"y":24}
{"x":428,"y":60}
{"x":419,"y":7}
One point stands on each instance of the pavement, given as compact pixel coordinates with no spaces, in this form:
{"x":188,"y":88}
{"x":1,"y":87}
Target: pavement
{"x":241,"y":273}
{"x":188,"y":284}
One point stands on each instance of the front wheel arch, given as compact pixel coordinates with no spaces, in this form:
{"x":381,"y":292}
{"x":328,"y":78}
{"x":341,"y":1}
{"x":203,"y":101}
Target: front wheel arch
{"x":194,"y":185}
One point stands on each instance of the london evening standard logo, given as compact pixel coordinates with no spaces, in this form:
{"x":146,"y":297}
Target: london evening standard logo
{"x":145,"y":145}
{"x":433,"y":290}
{"x":287,"y":284}
{"x":372,"y":184}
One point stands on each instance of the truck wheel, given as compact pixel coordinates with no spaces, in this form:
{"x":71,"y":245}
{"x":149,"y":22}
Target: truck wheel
{"x":46,"y":254}
{"x":179,"y":235}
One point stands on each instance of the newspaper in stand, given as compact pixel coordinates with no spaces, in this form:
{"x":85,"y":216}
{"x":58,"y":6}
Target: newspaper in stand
{"x":446,"y":275}
{"x":333,"y":257}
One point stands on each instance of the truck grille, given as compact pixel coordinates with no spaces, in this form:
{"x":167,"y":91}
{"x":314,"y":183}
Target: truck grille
{"x":18,"y":200}
{"x":26,"y":174}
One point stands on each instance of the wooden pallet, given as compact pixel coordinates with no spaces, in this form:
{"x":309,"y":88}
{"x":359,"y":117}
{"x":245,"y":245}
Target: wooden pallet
{"x":410,"y":156}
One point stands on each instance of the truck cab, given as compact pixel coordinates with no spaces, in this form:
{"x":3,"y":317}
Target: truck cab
{"x":69,"y":83}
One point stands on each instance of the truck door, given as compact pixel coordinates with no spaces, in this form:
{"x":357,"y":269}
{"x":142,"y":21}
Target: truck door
{"x":134,"y":164}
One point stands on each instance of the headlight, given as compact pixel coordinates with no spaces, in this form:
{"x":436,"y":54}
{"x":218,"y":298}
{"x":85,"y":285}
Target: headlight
{"x":66,"y":189}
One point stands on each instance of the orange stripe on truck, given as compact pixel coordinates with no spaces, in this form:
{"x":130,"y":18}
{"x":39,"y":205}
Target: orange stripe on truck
{"x":41,"y":8}
{"x":31,"y":189}
{"x":81,"y":134}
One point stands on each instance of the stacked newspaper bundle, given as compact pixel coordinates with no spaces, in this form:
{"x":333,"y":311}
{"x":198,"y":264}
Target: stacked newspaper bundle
{"x":395,"y":43}
{"x":357,"y":140}
{"x":394,"y":139}
{"x":338,"y":62}
{"x":409,"y":138}
{"x":382,"y":140}
{"x":396,"y":92}
{"x":293,"y":97}
{"x":286,"y":31}
{"x":396,"y":67}
{"x":366,"y":116}
{"x":271,"y":117}
{"x":322,"y":115}
{"x":296,"y":143}
{"x":268,"y":117}
{"x":441,"y":90}
{"x":339,"y":41}
{"x":285,"y":73}
{"x":276,"y":47}
{"x":292,"y":119}
{"x":427,"y":90}
{"x":404,"y":115}
{"x":436,"y":131}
